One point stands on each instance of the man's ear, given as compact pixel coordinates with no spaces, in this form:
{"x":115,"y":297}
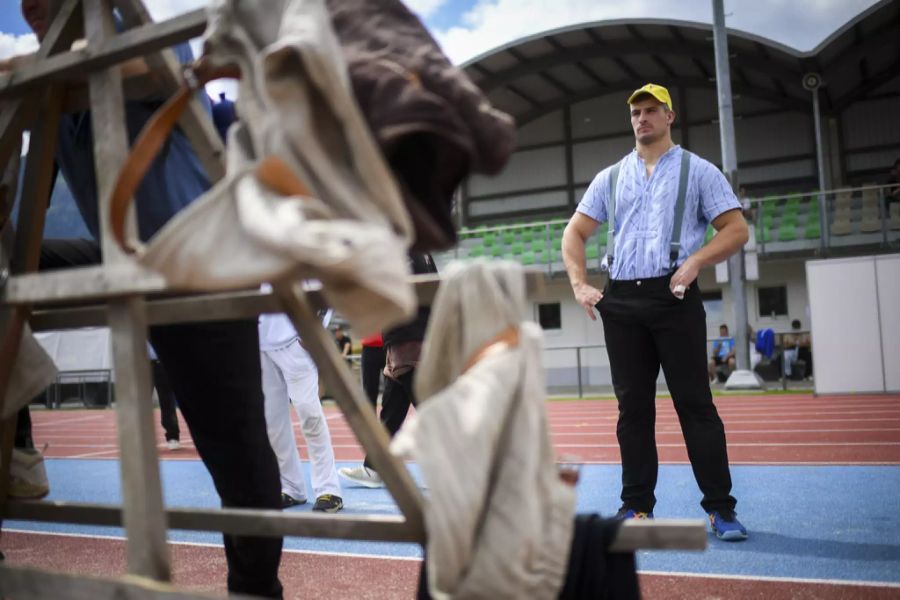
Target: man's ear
{"x":671,"y":116}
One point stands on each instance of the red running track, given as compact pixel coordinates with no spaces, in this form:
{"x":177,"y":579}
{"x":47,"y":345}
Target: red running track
{"x":778,"y":429}
{"x":318,"y":575}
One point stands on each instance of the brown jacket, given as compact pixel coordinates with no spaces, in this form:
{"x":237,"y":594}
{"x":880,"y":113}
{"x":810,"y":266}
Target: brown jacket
{"x":432,"y":123}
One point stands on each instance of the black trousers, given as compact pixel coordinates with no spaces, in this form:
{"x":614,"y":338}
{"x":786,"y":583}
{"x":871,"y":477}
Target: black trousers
{"x":395,"y":401}
{"x":371,"y":367}
{"x":215,"y":373}
{"x":647,"y":327}
{"x":168,"y":418}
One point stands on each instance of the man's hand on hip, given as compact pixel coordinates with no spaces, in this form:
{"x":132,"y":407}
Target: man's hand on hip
{"x":684,"y":276}
{"x":587,"y":296}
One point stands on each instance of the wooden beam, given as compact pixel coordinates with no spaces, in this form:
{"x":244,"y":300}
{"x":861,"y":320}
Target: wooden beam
{"x":126,"y":45}
{"x":234,"y":521}
{"x":26,"y":583}
{"x":16,"y":115}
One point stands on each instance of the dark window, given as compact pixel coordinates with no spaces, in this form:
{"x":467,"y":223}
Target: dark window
{"x":549,"y":316}
{"x":772,"y":301}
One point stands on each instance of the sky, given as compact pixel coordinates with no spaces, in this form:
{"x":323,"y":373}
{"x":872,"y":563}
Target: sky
{"x":468,"y":28}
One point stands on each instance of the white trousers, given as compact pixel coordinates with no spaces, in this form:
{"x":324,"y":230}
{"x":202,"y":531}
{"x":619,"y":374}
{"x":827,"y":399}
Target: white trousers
{"x":289,"y":376}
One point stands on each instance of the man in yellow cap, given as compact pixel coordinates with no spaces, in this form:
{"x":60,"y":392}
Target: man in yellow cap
{"x":658,"y":201}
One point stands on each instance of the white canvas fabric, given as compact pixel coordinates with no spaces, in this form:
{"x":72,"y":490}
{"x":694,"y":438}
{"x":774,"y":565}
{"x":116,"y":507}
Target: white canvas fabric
{"x":499,"y":520}
{"x":33,"y":370}
{"x":295,"y":103}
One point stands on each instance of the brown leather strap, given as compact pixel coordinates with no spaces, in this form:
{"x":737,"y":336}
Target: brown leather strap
{"x":508,"y":338}
{"x":144,"y":151}
{"x":271,"y":171}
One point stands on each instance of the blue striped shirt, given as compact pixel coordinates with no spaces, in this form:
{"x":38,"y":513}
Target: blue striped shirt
{"x":645,"y":210}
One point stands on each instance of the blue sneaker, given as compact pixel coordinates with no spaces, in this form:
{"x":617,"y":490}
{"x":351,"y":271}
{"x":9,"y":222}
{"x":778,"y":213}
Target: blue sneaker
{"x":629,"y":513}
{"x":726,"y":526}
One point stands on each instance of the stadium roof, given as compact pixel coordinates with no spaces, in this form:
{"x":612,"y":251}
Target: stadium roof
{"x":537,"y":75}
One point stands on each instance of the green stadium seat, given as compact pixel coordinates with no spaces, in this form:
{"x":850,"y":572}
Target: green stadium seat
{"x":538,"y":245}
{"x":528,"y":258}
{"x":497,"y":251}
{"x":509,"y":237}
{"x":527,"y":235}
{"x":765,"y":234}
{"x":489,"y":240}
{"x":476,"y":252}
{"x":593,"y":251}
{"x":787,"y":232}
{"x":540,"y":256}
{"x":517,"y":249}
{"x":813,"y":231}
{"x":710,"y":232}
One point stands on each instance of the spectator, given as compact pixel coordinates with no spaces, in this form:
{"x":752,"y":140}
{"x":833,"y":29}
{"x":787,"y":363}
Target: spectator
{"x":289,"y":376}
{"x":371,"y":365}
{"x":723,"y":353}
{"x":795,"y":344}
{"x":168,"y":418}
{"x":893,"y":194}
{"x":344,"y":344}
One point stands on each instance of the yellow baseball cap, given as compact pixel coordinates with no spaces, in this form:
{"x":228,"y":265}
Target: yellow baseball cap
{"x":657,"y":91}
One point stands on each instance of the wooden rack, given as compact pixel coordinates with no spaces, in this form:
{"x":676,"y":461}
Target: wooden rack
{"x":127,"y":298}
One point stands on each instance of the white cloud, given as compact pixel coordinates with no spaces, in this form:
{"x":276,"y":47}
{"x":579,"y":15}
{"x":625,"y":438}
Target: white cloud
{"x":165,"y":9}
{"x":13,"y":45}
{"x":801,"y":24}
{"x":425,"y":8}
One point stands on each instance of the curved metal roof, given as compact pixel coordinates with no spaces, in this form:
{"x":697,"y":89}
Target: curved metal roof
{"x":534,"y":76}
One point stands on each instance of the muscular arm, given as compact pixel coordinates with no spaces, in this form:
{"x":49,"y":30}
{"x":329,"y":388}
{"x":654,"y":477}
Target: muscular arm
{"x":732,"y":234}
{"x":574,"y":238}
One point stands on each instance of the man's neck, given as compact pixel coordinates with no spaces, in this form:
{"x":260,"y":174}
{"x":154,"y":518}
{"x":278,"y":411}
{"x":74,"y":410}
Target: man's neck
{"x":650,"y":153}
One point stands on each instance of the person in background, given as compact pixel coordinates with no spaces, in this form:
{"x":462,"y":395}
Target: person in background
{"x":344,"y":343}
{"x":796,"y":346}
{"x":371,"y":365}
{"x":723,"y":353}
{"x":403,"y":345}
{"x":289,"y":376}
{"x":168,"y":418}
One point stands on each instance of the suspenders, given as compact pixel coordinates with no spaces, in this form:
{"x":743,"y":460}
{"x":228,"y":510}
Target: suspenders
{"x":675,"y":244}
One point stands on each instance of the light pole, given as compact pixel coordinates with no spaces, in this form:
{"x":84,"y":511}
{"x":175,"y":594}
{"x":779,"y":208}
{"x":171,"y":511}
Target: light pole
{"x":812,"y":82}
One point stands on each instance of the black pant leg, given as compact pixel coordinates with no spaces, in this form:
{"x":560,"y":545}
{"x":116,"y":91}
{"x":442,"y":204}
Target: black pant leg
{"x":635,"y":367}
{"x":168,"y":418}
{"x":371,"y":367}
{"x":214,"y":370}
{"x":395,"y":401}
{"x":215,"y":373}
{"x":679,"y":330}
{"x":23,"y":429}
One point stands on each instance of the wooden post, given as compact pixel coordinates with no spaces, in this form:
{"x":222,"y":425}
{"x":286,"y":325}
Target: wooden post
{"x":368,"y":429}
{"x":144,"y":518}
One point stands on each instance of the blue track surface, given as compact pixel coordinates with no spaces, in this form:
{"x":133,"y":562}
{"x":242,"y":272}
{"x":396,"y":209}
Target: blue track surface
{"x":828,"y":522}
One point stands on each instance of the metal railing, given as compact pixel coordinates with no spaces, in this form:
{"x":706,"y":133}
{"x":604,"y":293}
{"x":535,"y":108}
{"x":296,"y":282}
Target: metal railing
{"x":590,"y":370}
{"x":834,"y":225}
{"x":882,"y":201}
{"x":83,"y":380}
